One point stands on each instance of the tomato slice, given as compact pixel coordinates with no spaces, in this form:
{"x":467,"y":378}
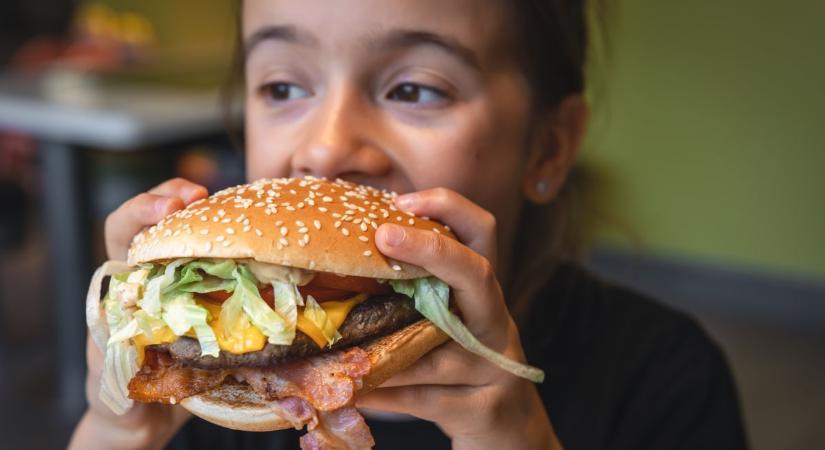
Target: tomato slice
{"x":218,"y":296}
{"x":324,"y":286}
{"x":350,"y":284}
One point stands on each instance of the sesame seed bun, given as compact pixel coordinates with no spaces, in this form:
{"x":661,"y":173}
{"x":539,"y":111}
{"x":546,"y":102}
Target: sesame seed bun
{"x":306,"y":223}
{"x":236,"y":406}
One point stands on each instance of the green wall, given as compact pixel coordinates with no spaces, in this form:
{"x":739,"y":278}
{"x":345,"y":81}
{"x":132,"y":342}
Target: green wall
{"x":713,"y":131}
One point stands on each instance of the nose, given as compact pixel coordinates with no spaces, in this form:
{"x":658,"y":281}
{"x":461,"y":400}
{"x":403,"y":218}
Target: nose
{"x":342,"y":140}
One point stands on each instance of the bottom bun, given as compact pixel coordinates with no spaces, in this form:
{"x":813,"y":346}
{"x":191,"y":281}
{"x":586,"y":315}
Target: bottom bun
{"x":238,"y":407}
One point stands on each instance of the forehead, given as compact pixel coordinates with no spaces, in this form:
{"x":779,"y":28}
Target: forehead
{"x":482,"y":25}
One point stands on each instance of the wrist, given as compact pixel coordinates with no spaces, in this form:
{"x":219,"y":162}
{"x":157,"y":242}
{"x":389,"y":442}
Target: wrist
{"x":96,"y":431}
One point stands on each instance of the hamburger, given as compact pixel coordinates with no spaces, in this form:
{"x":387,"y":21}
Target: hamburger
{"x":267,"y":306}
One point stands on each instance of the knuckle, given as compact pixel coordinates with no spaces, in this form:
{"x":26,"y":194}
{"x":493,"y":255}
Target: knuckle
{"x":486,"y":272}
{"x":489,"y":222}
{"x":437,"y":245}
{"x":440,"y":195}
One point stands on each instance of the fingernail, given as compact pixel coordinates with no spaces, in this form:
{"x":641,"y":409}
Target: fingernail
{"x":405,"y":201}
{"x":394,"y":235}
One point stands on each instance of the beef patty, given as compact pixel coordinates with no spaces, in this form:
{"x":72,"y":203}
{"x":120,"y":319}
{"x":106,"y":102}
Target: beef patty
{"x":375,"y":317}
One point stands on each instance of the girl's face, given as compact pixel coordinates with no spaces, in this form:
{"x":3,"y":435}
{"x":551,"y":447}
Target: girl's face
{"x":399,"y":94}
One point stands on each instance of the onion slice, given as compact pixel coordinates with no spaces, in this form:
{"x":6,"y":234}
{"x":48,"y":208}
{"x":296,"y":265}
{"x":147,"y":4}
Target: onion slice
{"x":95,"y":317}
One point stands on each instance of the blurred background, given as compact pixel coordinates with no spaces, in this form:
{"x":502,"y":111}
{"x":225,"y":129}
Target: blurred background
{"x":703,"y":168}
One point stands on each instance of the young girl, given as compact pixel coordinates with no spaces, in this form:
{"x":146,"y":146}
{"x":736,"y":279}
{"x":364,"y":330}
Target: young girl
{"x":474,"y":109}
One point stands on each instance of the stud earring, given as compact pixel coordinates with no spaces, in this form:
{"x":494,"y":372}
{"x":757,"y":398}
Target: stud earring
{"x":542,"y":186}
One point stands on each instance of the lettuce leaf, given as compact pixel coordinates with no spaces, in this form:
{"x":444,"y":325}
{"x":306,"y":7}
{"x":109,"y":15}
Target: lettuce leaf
{"x":246,"y":304}
{"x":151,"y":301}
{"x":287,"y":299}
{"x":181,"y":314}
{"x":432,"y":298}
{"x":315,"y":314}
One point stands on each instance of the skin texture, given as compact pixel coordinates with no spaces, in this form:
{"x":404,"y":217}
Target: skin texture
{"x":375,"y":91}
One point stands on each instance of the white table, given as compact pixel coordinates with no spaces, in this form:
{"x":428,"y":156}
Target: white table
{"x":70,"y":113}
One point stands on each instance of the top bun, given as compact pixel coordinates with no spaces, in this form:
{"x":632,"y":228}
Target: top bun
{"x":307,"y":223}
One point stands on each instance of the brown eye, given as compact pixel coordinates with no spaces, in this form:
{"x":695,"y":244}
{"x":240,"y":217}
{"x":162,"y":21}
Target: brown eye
{"x":282,"y":91}
{"x":416,"y":93}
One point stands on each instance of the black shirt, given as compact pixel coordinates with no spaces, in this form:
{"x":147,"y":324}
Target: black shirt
{"x":623,"y":372}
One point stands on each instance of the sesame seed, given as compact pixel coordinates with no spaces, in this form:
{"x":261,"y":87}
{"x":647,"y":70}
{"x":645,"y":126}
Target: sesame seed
{"x":398,"y":218}
{"x":289,"y":208}
{"x":363,"y":227}
{"x":363,"y":238}
{"x":230,"y":230}
{"x":258,"y":232}
{"x":227,"y":243}
{"x":447,"y":227}
{"x":322,"y":209}
{"x":226,"y":220}
{"x":299,"y":223}
{"x":284,"y":231}
{"x":327,"y":199}
{"x":283,"y":242}
{"x":436,"y":230}
{"x":279,"y":223}
{"x":411,"y":221}
{"x":367,"y":253}
{"x":396,"y":267}
{"x":306,"y":239}
{"x":205,"y":231}
{"x":336,"y":215}
{"x":300,"y":205}
{"x":337,"y":223}
{"x":301,"y":243}
{"x":374,"y":225}
{"x":311,"y":264}
{"x":220,"y":238}
{"x":246,"y":228}
{"x":317,"y":224}
{"x":208,"y":247}
{"x":345,"y":232}
{"x":204,"y":218}
{"x":259,"y":204}
{"x":303,"y":230}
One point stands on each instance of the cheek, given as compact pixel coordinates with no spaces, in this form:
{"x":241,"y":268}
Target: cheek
{"x":263,"y":157}
{"x":479,"y":153}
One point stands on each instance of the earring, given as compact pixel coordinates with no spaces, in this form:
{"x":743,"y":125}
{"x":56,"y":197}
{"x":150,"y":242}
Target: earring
{"x":542,"y":186}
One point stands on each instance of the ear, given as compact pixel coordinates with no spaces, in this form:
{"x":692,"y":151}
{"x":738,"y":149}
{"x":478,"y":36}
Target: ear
{"x":553,"y":149}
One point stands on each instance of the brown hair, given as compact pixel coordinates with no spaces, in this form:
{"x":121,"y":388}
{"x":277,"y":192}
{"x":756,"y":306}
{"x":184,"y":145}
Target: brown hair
{"x":559,"y":40}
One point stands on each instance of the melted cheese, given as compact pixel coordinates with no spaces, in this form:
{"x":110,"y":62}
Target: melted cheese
{"x":337,"y":311}
{"x":249,"y":340}
{"x":252,"y":339}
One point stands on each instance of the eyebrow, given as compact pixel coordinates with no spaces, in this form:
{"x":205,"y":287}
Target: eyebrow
{"x":393,"y":40}
{"x":404,"y":39}
{"x":285,"y":33}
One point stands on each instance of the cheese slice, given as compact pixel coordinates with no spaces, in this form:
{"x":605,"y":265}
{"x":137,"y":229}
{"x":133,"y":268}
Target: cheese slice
{"x":252,"y":338}
{"x":337,"y":311}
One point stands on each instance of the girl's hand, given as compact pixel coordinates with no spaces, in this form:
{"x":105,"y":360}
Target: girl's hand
{"x":145,"y":210}
{"x":477,"y":404}
{"x":145,"y":425}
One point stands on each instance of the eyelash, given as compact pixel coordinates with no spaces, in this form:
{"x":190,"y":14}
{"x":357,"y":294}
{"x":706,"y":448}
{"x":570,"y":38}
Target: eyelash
{"x":406,"y":92}
{"x":404,"y":89}
{"x":273,"y":92}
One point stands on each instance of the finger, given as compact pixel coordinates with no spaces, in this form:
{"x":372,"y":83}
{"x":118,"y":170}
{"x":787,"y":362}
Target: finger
{"x":470,"y":275}
{"x":181,"y":188}
{"x":449,"y":364}
{"x":131,"y":217}
{"x":429,"y":402}
{"x":472,"y":224}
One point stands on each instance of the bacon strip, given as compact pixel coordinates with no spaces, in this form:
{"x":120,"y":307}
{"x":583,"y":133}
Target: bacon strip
{"x":342,"y":429}
{"x":327,"y":381}
{"x":162,"y":380}
{"x":316,"y":391}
